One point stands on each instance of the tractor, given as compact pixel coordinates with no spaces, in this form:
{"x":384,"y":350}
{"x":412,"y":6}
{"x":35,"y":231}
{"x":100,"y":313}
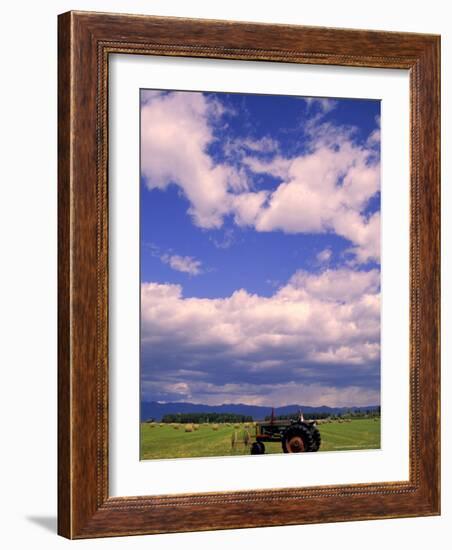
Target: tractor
{"x":296,"y":435}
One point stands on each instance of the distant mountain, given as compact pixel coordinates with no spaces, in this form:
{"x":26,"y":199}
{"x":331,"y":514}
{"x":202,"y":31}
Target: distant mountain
{"x":155,"y":410}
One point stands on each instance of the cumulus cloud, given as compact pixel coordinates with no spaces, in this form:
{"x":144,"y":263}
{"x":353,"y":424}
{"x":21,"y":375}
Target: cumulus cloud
{"x":185,"y":264}
{"x":324,"y":190}
{"x":175,"y":134}
{"x":315,"y":339}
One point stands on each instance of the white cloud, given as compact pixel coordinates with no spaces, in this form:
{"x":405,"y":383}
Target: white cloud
{"x":324,"y":256}
{"x":374,"y":137}
{"x":318,"y":330}
{"x":325,"y":105}
{"x":337,"y":285}
{"x":262,"y":145}
{"x":185,"y":264}
{"x":331,"y":310}
{"x":325,"y":190}
{"x":248,"y":206}
{"x":277,"y":166}
{"x":175,"y":133}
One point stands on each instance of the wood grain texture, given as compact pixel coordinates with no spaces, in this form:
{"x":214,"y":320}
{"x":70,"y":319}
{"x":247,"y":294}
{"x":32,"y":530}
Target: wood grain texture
{"x":85,"y":42}
{"x":64,"y":295}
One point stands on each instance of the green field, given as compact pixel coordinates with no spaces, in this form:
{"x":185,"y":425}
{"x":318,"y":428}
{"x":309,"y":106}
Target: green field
{"x":172,"y":441}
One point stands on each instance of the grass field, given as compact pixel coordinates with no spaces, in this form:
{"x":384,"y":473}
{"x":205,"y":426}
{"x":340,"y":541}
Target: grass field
{"x":172,"y":441}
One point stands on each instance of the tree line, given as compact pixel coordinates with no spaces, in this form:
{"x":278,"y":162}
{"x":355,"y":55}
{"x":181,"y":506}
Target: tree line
{"x":203,"y":417}
{"x":357,"y":413}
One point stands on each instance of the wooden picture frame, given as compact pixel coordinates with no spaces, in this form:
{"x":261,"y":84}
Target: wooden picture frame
{"x":85,"y":42}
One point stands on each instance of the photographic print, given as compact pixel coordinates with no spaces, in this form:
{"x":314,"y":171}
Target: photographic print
{"x":260,"y":274}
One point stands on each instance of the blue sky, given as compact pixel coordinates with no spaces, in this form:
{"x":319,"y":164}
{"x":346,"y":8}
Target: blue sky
{"x":259,"y":223}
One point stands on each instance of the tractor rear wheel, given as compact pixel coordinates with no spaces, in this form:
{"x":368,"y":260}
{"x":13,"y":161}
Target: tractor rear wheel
{"x":297,"y":439}
{"x":257,"y":448}
{"x":316,"y":440}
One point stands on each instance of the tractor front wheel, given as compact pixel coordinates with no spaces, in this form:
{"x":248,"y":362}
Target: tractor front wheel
{"x":257,"y":448}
